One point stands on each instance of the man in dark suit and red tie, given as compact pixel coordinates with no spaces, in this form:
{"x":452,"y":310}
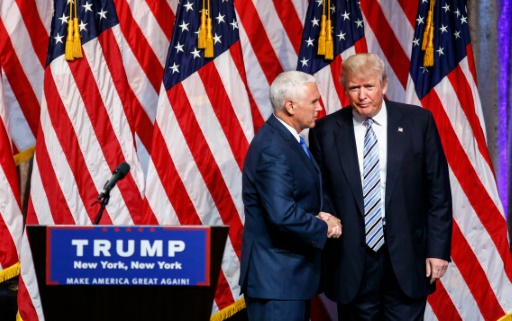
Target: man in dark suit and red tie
{"x":385,"y":176}
{"x":285,"y":228}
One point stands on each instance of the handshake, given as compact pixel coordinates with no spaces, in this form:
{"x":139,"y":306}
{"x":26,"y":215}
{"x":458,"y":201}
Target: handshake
{"x":333,"y":224}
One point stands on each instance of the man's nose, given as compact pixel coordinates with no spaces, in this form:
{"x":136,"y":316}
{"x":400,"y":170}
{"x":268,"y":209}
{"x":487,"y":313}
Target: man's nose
{"x":362,"y":93}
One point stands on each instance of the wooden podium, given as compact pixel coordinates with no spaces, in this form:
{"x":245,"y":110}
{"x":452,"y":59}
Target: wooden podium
{"x":116,"y":302}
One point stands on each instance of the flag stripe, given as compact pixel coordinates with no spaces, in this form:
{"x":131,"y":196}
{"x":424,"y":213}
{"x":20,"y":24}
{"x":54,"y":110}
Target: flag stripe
{"x":19,"y":81}
{"x":472,"y":68}
{"x":319,"y":310}
{"x":101,"y":128}
{"x":387,"y":40}
{"x":70,"y":146}
{"x":11,"y":218}
{"x":485,"y":208}
{"x":36,"y":29}
{"x":236,"y":55}
{"x":478,"y":239}
{"x":125,"y":147}
{"x":292,"y":22}
{"x":146,"y":26}
{"x":183,"y":207}
{"x":410,"y":9}
{"x":140,"y":46}
{"x":475,"y":277}
{"x":462,"y":89}
{"x":205,"y":161}
{"x":174,"y":187}
{"x":259,"y":40}
{"x":478,"y":196}
{"x":226,"y":116}
{"x":442,"y":306}
{"x":164,"y":15}
{"x":28,"y":292}
{"x":223,"y":295}
{"x":6,"y":160}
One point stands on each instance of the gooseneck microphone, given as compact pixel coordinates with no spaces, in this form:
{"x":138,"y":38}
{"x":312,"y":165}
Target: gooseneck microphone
{"x":118,"y":174}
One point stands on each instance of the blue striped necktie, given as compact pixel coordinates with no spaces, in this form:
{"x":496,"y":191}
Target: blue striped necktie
{"x":371,"y":189}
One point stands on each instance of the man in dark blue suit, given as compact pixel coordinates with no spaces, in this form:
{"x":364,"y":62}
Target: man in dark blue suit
{"x":385,"y":176}
{"x":285,"y":229}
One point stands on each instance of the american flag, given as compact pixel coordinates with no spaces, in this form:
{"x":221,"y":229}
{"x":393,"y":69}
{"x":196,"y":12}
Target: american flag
{"x":480,"y":273}
{"x":201,"y":134}
{"x":23,"y":46}
{"x":271,"y":36}
{"x":85,"y":131}
{"x":147,"y":28}
{"x":347,"y":39}
{"x":11,"y":218}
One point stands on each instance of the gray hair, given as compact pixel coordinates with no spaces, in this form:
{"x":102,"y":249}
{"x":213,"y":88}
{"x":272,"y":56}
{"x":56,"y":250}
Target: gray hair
{"x":288,"y":85}
{"x":364,"y":65}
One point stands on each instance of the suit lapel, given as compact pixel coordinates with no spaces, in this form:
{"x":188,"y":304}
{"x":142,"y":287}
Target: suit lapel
{"x":397,"y":131}
{"x":292,"y":142}
{"x":347,"y":153}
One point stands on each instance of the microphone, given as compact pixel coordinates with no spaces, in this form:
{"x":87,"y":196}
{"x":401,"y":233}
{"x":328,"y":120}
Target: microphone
{"x":118,"y":174}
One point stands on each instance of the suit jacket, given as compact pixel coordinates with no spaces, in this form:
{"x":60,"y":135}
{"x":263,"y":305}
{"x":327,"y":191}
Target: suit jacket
{"x":282,"y":238}
{"x":417,"y":204}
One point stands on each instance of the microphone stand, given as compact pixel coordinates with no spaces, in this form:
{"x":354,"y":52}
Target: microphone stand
{"x":103,"y":200}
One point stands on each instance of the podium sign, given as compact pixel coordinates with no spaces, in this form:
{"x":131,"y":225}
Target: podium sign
{"x":140,"y":256}
{"x":134,"y":302}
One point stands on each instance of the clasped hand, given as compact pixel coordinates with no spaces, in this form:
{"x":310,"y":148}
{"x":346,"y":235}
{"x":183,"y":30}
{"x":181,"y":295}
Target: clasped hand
{"x":333,"y":224}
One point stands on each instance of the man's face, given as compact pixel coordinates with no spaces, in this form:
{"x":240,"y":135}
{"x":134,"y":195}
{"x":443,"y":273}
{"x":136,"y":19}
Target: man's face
{"x":306,"y":108}
{"x":366,"y":94}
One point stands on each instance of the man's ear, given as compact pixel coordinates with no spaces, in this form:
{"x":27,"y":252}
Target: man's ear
{"x":288,"y":105}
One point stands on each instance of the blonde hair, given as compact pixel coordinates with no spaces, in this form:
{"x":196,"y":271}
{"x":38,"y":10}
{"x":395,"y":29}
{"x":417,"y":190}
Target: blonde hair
{"x":363,"y":65}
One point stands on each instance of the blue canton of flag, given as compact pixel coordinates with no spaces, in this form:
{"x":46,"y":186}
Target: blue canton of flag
{"x":183,"y":57}
{"x":94,"y":16}
{"x":451,"y":36}
{"x":347,"y":29}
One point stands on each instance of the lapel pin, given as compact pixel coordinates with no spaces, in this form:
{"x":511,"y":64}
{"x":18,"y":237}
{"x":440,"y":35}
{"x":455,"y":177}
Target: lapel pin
{"x":400,"y":130}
